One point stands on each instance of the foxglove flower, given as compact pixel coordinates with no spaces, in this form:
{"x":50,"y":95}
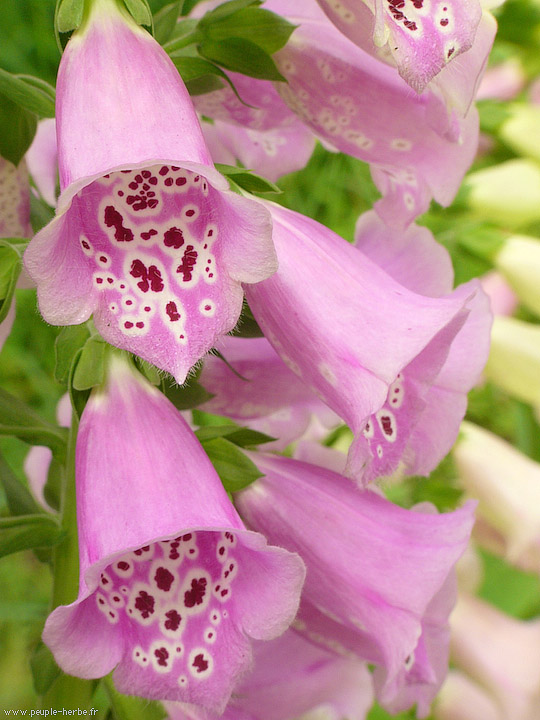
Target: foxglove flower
{"x":256,"y":388}
{"x":419,"y":681}
{"x":368,"y":586}
{"x":147,"y":235}
{"x":500,"y":653}
{"x":293,"y":678}
{"x":462,"y":699}
{"x":421,"y":37}
{"x":507,"y":486}
{"x":362,"y":107}
{"x":502,"y":298}
{"x":341,"y":333}
{"x":172,"y":586}
{"x":259,"y":130}
{"x":519,"y":261}
{"x":427,"y":412}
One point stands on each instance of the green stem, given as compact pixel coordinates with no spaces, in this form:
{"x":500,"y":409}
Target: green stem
{"x":67,"y":691}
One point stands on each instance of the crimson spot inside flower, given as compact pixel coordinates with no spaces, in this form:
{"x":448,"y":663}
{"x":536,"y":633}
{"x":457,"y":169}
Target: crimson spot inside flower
{"x":174,"y":315}
{"x":161,"y":655}
{"x":196,"y":594}
{"x":149,"y":234}
{"x":199,"y":663}
{"x":386,"y":423}
{"x":174,"y":237}
{"x":114,"y":219}
{"x":145,"y":604}
{"x":143,"y":549}
{"x":164,"y":579}
{"x":123,"y":565}
{"x":173,"y":620}
{"x":150,"y":277}
{"x":188,"y":263}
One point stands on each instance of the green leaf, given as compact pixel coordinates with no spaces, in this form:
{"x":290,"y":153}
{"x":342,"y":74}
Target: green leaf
{"x":19,"y":499}
{"x":44,"y":668}
{"x":234,"y":468}
{"x":188,"y":5}
{"x":10,"y":268}
{"x":17,"y":419}
{"x":247,"y":180}
{"x":241,"y":436}
{"x":17,"y":130}
{"x":165,"y":21}
{"x":40,"y":213}
{"x":189,"y":395}
{"x":262,"y":27}
{"x":30,"y":93}
{"x":68,"y":342}
{"x":90,"y":368}
{"x":204,"y":84}
{"x":140,"y":12}
{"x":128,"y":707}
{"x":68,"y":15}
{"x":247,"y":326}
{"x":150,"y":372}
{"x":226,"y":9}
{"x":241,"y":56}
{"x":25,"y":532}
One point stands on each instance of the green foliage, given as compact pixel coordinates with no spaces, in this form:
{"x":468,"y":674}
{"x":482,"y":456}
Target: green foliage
{"x":44,"y":669}
{"x":20,"y":500}
{"x":10,"y":268}
{"x":70,"y":340}
{"x":28,"y":92}
{"x":140,"y":12}
{"x":165,"y":21}
{"x":24,"y":532}
{"x":17,"y":130}
{"x":262,"y":27}
{"x":17,"y":419}
{"x":235,"y":469}
{"x":245,"y":180}
{"x":68,"y":15}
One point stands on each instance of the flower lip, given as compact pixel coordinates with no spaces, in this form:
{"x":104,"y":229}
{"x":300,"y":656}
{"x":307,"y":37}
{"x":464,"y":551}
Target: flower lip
{"x":215,"y":178}
{"x":92,"y":574}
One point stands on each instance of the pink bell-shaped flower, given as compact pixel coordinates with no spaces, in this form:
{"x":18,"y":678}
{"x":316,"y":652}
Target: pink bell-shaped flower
{"x":147,"y":235}
{"x":173,"y":588}
{"x":373,"y":569}
{"x":420,"y":37}
{"x":348,"y":330}
{"x":294,"y":678}
{"x":359,"y":105}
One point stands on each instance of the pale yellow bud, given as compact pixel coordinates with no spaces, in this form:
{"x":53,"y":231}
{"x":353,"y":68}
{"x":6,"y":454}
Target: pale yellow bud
{"x":514,"y":358}
{"x":519,"y":262}
{"x":508,"y":193}
{"x":522,"y":130}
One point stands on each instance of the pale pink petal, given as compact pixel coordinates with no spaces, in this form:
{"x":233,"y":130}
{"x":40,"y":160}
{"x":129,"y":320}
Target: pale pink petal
{"x":462,"y":699}
{"x":422,"y":37}
{"x":500,"y":653}
{"x":369,"y":594}
{"x":416,"y":150}
{"x":42,"y":160}
{"x":502,"y":298}
{"x":412,"y":257}
{"x":271,"y":153}
{"x":339,"y":331}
